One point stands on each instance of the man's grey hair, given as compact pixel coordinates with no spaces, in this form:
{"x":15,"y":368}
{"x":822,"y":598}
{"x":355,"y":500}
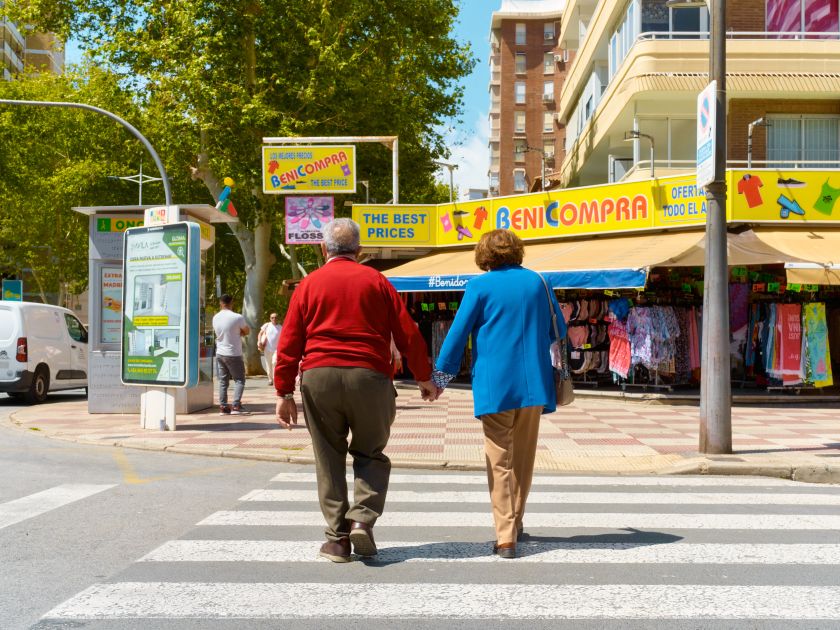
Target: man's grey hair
{"x":341,"y":237}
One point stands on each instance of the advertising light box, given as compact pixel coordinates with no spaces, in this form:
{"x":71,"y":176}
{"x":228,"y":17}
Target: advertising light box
{"x":160,"y":305}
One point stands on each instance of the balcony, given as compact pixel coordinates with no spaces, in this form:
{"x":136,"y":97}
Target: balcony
{"x":495,"y":77}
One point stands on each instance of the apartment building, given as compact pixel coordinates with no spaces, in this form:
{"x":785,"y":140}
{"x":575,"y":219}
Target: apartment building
{"x":639,"y":65}
{"x":526,"y":74}
{"x":42,"y":52}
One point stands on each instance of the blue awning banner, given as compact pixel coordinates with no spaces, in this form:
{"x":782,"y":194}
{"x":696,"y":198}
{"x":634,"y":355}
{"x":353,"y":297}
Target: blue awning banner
{"x":593,"y":279}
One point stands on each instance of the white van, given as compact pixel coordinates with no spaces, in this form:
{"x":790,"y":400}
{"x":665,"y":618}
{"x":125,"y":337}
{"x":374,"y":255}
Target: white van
{"x":43,"y":348}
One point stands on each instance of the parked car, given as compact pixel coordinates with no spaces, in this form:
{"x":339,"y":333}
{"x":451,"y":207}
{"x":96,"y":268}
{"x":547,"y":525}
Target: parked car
{"x":43,"y":348}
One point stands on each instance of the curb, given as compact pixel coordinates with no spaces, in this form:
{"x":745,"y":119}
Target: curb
{"x":806,"y":473}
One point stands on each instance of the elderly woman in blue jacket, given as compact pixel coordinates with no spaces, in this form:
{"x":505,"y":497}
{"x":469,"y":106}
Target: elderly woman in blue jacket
{"x":507,"y":313}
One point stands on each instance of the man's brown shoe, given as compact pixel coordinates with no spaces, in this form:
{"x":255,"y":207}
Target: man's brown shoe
{"x":505,"y":550}
{"x":361,"y":535}
{"x":337,"y":551}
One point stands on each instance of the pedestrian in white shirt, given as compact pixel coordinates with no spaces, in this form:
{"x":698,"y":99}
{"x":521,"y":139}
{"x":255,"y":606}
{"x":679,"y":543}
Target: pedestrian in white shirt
{"x":267,"y":340}
{"x":230,"y":327}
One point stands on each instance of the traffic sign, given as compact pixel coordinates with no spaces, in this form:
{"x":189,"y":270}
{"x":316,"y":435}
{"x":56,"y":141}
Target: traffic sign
{"x":706,"y":132}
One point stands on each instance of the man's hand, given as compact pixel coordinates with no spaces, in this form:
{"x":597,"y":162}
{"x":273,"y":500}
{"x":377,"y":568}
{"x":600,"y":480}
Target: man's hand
{"x":286,"y":413}
{"x":428,"y":390}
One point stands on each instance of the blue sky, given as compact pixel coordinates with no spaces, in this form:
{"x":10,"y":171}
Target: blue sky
{"x":466,"y":140}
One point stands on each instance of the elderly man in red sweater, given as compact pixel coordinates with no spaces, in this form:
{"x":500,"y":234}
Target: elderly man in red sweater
{"x":340,"y":322}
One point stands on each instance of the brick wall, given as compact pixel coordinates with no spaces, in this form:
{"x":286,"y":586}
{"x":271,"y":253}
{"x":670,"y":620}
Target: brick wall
{"x":534,"y":107}
{"x":745,"y":15}
{"x":744,"y":111}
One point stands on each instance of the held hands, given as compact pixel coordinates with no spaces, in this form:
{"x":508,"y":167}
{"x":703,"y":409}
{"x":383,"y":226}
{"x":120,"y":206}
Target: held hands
{"x":286,"y":413}
{"x":429,"y":391}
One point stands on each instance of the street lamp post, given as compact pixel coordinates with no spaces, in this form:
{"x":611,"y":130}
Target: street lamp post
{"x":542,"y":155}
{"x":139,"y":179}
{"x":760,"y":122}
{"x":635,"y":135}
{"x":715,"y":384}
{"x":451,"y":168}
{"x":366,"y":184}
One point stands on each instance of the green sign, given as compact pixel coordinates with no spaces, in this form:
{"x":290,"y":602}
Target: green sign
{"x":13,"y":290}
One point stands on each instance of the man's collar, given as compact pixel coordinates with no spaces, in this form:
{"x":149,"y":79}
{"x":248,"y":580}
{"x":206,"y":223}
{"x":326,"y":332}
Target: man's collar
{"x":350,"y":257}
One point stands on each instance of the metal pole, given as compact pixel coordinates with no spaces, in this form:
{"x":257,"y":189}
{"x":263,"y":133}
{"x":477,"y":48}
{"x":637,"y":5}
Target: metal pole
{"x":715,"y":384}
{"x":167,"y":190}
{"x":140,"y":201}
{"x":542,"y":155}
{"x":451,"y":182}
{"x":395,"y":181}
{"x":652,"y":163}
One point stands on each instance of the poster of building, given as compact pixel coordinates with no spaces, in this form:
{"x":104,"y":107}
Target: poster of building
{"x":306,"y":217}
{"x":154,"y":298}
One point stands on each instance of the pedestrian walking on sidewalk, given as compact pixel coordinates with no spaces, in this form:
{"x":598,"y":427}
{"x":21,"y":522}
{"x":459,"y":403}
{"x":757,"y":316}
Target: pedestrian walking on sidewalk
{"x":230,"y":327}
{"x":267,"y":344}
{"x":507,"y":313}
{"x":340,"y":321}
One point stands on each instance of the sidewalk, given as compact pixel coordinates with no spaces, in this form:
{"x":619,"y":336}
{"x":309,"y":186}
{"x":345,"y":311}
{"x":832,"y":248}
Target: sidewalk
{"x":594,"y":435}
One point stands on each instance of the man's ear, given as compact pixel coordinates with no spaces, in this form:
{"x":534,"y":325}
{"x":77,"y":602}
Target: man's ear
{"x":323,"y":250}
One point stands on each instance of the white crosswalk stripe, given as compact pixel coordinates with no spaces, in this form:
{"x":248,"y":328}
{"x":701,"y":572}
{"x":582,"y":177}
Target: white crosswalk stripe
{"x":597,"y":520}
{"x":560,"y":498}
{"x":670,"y":548}
{"x":540,"y":552}
{"x":571,"y":480}
{"x":19,"y":510}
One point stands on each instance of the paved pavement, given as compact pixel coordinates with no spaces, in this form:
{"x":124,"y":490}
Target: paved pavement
{"x":602,"y":552}
{"x":594,"y":435}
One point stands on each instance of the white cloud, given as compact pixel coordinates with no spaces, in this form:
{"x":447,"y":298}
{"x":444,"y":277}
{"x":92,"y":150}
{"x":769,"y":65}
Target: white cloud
{"x":471,"y":154}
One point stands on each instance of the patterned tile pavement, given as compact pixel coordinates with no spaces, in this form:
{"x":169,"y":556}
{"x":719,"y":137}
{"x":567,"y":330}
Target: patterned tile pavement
{"x":594,"y":434}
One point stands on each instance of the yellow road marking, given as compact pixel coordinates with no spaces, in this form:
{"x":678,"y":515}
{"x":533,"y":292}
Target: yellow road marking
{"x":130,"y":475}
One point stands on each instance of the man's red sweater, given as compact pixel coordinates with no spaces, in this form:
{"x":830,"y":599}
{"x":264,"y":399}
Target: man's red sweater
{"x":343,"y":315}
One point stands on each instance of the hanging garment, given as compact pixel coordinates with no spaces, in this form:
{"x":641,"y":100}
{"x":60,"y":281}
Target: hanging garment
{"x":828,"y":197}
{"x":640,"y":332}
{"x":619,"y":349}
{"x":816,"y":353}
{"x":694,"y":339}
{"x":789,"y":331}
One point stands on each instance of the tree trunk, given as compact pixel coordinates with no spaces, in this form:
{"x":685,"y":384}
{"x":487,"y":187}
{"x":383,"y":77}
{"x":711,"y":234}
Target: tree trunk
{"x":256,"y":250}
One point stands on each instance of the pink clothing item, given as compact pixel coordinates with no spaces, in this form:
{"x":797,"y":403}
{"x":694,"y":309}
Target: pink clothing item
{"x":578,"y":336}
{"x":789,"y":334}
{"x":566,"y":309}
{"x":619,"y":349}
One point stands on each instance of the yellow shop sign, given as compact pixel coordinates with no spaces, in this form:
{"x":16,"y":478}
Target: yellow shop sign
{"x":396,"y":226}
{"x":774,"y":196}
{"x":308,"y":169}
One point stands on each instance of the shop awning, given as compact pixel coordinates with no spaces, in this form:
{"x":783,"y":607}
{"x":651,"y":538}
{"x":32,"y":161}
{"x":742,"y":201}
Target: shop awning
{"x":814,"y":254}
{"x":620,"y":262}
{"x":743,"y":249}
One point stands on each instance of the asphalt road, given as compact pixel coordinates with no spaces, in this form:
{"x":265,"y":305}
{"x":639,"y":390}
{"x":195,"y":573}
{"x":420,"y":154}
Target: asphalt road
{"x":96,"y":537}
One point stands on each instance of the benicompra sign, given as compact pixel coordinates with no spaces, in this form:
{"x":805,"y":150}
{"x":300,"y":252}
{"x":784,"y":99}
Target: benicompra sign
{"x":309,"y":169}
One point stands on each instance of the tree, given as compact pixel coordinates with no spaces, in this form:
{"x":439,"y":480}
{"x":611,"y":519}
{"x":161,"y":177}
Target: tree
{"x":218,"y":77}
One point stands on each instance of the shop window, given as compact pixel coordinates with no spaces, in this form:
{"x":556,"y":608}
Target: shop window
{"x":519,"y":180}
{"x":802,"y":16}
{"x":520,"y":33}
{"x":548,"y":63}
{"x":548,"y":121}
{"x":521,"y":63}
{"x":519,"y":92}
{"x":803,"y":142}
{"x":519,"y":122}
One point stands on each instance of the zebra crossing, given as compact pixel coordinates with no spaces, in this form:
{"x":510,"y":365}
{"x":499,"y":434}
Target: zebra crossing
{"x":635,"y":550}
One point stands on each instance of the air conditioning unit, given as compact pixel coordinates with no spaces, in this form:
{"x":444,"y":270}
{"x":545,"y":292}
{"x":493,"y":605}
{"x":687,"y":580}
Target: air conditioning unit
{"x":548,"y":97}
{"x":565,"y":55}
{"x":548,"y":36}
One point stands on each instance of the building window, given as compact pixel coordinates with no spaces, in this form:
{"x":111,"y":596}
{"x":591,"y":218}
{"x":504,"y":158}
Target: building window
{"x":494,"y":182}
{"x":548,"y":121}
{"x":519,"y":91}
{"x":548,"y":31}
{"x":519,"y":150}
{"x":800,"y":141}
{"x":519,"y":122}
{"x":520,"y":33}
{"x":521,"y":65}
{"x":519,"y":180}
{"x":548,"y":63}
{"x":548,"y":149}
{"x":802,"y":16}
{"x":548,"y":91}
